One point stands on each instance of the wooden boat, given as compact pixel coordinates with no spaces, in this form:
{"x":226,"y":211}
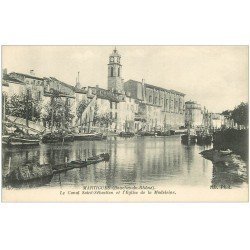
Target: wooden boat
{"x":127,"y":134}
{"x":90,"y":137}
{"x":90,"y":160}
{"x":178,"y":132}
{"x":204,"y":139}
{"x":22,"y":140}
{"x":33,"y":171}
{"x":226,"y":152}
{"x":146,"y":133}
{"x":188,"y":139}
{"x":167,"y":133}
{"x":57,"y":137}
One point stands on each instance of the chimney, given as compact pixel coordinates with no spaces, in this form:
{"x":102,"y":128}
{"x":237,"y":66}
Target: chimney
{"x":4,"y":72}
{"x":32,"y":72}
{"x":143,"y":90}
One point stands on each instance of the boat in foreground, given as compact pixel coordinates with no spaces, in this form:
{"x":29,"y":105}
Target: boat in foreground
{"x":35,"y":171}
{"x":21,"y":140}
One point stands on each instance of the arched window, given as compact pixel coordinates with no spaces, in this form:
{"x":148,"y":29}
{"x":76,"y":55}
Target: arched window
{"x":167,"y":104}
{"x":118,"y":71}
{"x":111,"y":71}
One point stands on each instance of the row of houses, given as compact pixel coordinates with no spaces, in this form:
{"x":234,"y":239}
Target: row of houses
{"x":127,"y":106}
{"x":124,"y":106}
{"x":199,"y":117}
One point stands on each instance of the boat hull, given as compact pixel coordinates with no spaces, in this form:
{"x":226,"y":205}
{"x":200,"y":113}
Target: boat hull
{"x":57,"y":138}
{"x":188,"y":139}
{"x":126,"y":134}
{"x":204,"y":139}
{"x":90,"y":137}
{"x":18,"y":141}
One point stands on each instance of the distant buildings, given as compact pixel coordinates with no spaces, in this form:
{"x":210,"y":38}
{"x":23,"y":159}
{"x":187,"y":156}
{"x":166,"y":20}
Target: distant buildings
{"x":198,"y":117}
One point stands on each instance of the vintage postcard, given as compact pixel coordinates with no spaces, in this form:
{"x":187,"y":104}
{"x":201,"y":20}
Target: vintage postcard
{"x":124,"y":123}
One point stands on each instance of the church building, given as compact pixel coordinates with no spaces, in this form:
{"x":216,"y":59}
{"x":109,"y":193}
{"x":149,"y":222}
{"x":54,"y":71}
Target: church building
{"x":144,"y":106}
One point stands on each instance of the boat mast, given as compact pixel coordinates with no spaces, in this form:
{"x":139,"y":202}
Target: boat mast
{"x":27,"y":108}
{"x":52,"y":114}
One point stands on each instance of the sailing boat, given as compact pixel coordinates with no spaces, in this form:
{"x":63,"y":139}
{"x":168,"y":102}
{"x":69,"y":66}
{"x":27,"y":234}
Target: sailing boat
{"x":56,"y":136}
{"x":18,"y":137}
{"x":190,"y":137}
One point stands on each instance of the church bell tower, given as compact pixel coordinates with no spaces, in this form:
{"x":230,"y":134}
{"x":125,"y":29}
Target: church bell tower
{"x":115,"y":81}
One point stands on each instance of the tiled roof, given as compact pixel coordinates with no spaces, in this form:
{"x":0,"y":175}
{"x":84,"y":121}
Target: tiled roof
{"x":160,"y":88}
{"x":82,"y":90}
{"x":190,"y":102}
{"x":7,"y":78}
{"x":63,"y":83}
{"x":156,"y":87}
{"x":106,"y":94}
{"x":29,"y":76}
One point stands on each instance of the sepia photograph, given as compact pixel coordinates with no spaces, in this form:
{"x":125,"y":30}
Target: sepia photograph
{"x":125,"y":123}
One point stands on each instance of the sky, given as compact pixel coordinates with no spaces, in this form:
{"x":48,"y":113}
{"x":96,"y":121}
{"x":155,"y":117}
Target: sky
{"x":214,"y":76}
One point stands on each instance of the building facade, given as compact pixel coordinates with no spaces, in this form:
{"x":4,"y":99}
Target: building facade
{"x":158,"y":108}
{"x":193,"y":114}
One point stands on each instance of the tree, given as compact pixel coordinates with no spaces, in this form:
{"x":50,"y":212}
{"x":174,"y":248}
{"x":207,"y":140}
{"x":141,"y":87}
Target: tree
{"x":240,"y":114}
{"x":227,"y":112}
{"x":80,"y":109}
{"x":102,"y":119}
{"x":58,"y":113}
{"x":23,"y":106}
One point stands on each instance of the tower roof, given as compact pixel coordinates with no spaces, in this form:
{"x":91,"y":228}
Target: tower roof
{"x":115,"y":52}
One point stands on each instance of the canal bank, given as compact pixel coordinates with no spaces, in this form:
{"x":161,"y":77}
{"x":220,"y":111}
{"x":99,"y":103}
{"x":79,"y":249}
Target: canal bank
{"x":229,"y":156}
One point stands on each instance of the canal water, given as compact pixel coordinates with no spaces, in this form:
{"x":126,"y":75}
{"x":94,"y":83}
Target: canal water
{"x":133,"y":161}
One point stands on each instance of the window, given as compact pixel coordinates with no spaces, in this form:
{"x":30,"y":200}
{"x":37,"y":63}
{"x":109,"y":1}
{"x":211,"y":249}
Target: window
{"x":28,"y":93}
{"x":111,"y":115}
{"x":116,"y":105}
{"x":118,"y":71}
{"x":110,"y":105}
{"x":39,"y":95}
{"x":167,"y":104}
{"x":111,"y":71}
{"x":150,"y":98}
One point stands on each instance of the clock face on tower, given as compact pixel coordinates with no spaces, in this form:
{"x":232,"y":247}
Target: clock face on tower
{"x":111,"y":59}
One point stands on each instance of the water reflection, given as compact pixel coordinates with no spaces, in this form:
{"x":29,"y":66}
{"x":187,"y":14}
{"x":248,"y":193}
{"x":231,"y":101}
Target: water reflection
{"x":133,"y":161}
